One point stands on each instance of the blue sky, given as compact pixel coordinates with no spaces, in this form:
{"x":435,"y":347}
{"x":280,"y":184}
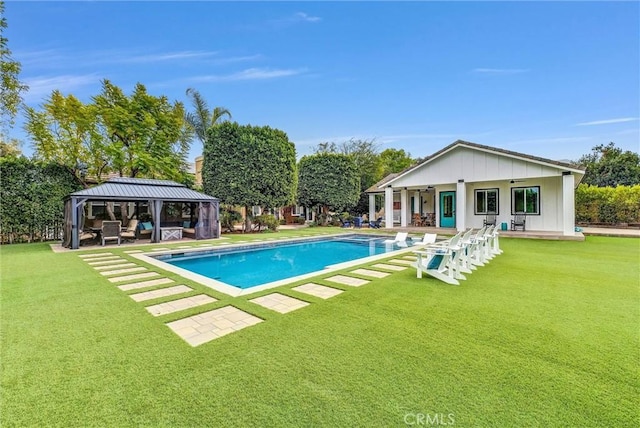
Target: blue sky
{"x":549,"y":79}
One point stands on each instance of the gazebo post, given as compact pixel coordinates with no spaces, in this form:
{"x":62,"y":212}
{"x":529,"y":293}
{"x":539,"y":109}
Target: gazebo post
{"x":76,"y":206}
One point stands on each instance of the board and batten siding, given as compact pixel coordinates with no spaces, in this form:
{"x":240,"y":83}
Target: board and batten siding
{"x":473,"y":166}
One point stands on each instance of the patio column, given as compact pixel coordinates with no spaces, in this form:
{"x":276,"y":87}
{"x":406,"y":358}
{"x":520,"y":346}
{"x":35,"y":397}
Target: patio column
{"x":568,"y":204}
{"x":461,"y":205}
{"x":416,"y":203}
{"x":372,"y":207}
{"x":388,"y":207}
{"x":403,"y":207}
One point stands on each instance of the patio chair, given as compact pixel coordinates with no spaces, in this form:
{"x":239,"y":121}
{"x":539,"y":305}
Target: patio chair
{"x":519,"y":220}
{"x":344,"y":223}
{"x":435,"y":262}
{"x":376,"y":224}
{"x":111,"y":231}
{"x":416,"y":220}
{"x":490,"y":219}
{"x":131,"y":232}
{"x":428,"y":239}
{"x":400,"y":237}
{"x":87,"y":236}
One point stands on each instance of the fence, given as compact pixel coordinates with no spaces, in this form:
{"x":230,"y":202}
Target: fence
{"x":51,"y":232}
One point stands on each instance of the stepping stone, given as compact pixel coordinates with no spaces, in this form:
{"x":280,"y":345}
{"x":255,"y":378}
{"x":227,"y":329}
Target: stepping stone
{"x":225,"y":243}
{"x":211,"y":325}
{"x":389,"y":267}
{"x":402,"y":262}
{"x":371,"y":273}
{"x":163,"y":292}
{"x":347,"y":280}
{"x":115,"y":261}
{"x":132,"y":277}
{"x":133,"y":251}
{"x":121,"y":271}
{"x":184,"y":246}
{"x":414,"y":258}
{"x":122,"y":266}
{"x":145,"y":284}
{"x":205,"y":245}
{"x":159,"y":249}
{"x":180,"y":304}
{"x":279,"y":302}
{"x":318,"y":290}
{"x":88,"y":256}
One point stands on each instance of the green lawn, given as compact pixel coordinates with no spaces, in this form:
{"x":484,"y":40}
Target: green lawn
{"x":547,"y":334}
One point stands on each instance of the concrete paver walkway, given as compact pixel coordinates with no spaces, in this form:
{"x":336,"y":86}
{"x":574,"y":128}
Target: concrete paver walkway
{"x":203,"y":328}
{"x":318,"y":290}
{"x":180,"y":304}
{"x":161,"y":292}
{"x":279,"y":302}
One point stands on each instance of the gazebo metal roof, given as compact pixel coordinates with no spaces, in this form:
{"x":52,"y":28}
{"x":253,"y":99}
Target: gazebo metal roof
{"x":135,"y":189}
{"x":155,"y":192}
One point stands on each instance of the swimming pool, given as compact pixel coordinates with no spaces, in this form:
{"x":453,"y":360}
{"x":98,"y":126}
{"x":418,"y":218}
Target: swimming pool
{"x":258,"y":266}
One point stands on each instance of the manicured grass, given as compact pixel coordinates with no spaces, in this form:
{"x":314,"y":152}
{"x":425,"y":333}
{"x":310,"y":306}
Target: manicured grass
{"x":544,"y":335}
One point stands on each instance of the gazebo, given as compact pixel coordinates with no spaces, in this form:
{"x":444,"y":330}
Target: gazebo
{"x":155,"y":192}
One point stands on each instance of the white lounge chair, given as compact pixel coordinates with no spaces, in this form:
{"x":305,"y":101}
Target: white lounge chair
{"x":400,"y":237}
{"x":435,"y":262}
{"x":428,"y":239}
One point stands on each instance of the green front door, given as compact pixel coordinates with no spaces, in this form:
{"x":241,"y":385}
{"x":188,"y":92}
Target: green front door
{"x":447,"y":209}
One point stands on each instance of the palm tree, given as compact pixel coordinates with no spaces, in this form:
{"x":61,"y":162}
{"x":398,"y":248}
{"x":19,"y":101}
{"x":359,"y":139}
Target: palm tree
{"x":201,"y":119}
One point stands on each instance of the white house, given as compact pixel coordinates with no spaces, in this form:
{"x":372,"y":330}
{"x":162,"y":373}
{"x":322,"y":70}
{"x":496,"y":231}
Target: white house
{"x":458,"y":185}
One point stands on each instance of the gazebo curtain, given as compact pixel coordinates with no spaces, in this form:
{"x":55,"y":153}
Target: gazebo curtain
{"x":155,"y":206}
{"x":68,"y":224}
{"x":207,"y":226}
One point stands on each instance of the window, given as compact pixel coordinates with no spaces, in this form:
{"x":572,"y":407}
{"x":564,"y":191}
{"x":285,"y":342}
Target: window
{"x":525,"y":200}
{"x":486,"y":201}
{"x":256,"y":210}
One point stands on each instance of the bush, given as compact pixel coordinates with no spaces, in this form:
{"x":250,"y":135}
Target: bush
{"x":32,"y":195}
{"x":229,"y":218}
{"x":267,"y":221}
{"x":609,"y":205}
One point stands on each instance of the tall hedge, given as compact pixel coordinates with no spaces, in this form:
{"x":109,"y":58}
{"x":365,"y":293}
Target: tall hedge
{"x":329,"y":180}
{"x":32,"y":195}
{"x":611,"y":205}
{"x":249,"y":165}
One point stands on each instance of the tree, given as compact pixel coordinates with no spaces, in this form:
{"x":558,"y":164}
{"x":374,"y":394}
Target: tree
{"x":145,"y":136}
{"x":610,"y":166}
{"x":365,"y":155}
{"x":10,"y":148}
{"x":394,"y":160}
{"x":249,"y":166}
{"x":201,"y":118}
{"x":134,"y":136}
{"x":328,"y":180}
{"x":10,"y":86}
{"x":66,"y":132}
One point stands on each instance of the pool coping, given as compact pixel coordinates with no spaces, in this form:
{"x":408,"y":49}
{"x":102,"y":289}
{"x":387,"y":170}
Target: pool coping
{"x":235,"y":291}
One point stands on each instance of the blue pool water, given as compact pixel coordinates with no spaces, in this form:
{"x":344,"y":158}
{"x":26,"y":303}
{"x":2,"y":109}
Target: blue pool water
{"x":249,"y":267}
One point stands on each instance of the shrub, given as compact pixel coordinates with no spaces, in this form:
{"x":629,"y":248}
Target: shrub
{"x":611,"y":205}
{"x":229,"y":218}
{"x":267,"y":221}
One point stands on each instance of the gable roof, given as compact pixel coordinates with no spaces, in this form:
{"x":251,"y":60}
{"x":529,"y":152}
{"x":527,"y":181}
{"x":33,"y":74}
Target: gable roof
{"x":137,"y":189}
{"x":461,"y":143}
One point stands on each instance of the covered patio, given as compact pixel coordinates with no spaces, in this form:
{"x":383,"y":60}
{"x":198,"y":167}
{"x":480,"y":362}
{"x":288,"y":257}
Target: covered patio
{"x":204,"y":209}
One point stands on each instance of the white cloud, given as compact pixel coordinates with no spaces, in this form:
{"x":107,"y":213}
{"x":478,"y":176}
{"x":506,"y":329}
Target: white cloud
{"x":303,"y":17}
{"x":608,"y":121}
{"x":41,"y":87}
{"x":500,"y":70}
{"x":249,"y":74}
{"x":167,"y":56}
